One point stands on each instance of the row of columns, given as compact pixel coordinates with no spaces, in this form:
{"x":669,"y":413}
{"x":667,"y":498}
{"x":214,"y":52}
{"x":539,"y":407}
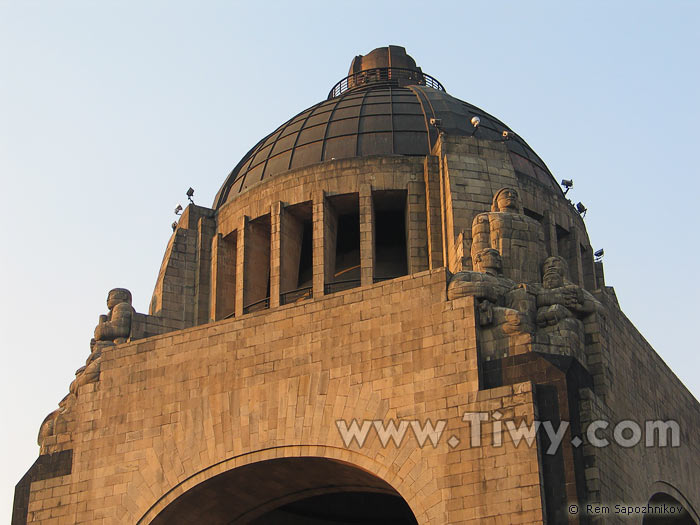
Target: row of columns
{"x":243,"y":260}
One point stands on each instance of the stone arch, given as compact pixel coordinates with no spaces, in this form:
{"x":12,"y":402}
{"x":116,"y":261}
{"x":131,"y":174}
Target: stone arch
{"x":663,"y":493}
{"x":358,"y":473}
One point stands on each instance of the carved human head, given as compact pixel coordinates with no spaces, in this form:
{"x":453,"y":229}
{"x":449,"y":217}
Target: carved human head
{"x":118,"y":295}
{"x":555,"y":272}
{"x":488,"y":261}
{"x":506,"y":199}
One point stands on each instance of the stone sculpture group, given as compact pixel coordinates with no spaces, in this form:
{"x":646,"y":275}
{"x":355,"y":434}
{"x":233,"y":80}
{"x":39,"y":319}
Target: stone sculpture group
{"x":522,"y":298}
{"x":112,"y":328}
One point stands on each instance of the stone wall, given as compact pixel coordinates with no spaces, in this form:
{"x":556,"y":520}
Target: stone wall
{"x":635,"y":384}
{"x":171,"y":411}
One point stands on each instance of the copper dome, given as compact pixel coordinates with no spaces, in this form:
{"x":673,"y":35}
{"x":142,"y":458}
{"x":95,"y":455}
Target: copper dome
{"x":379,"y":109}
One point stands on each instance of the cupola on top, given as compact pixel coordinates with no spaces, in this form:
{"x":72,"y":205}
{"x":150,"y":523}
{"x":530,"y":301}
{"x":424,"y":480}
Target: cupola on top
{"x":383,"y":107}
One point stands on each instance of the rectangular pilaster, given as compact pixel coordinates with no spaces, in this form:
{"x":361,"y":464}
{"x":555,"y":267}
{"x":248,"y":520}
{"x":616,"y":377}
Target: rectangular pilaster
{"x":550,"y":232}
{"x":416,"y":231}
{"x":240,"y":254}
{"x":433,"y":212}
{"x":205,"y":233}
{"x":367,"y":257}
{"x":276,"y":212}
{"x":576,"y":269}
{"x":319,"y":248}
{"x":589,"y":271}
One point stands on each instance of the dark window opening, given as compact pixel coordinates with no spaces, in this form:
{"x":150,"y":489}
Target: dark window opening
{"x":342,"y":240}
{"x":256,"y":289}
{"x":226,"y":276}
{"x":296,"y":257}
{"x":347,"y":248}
{"x":390,"y":247}
{"x":306,"y":258}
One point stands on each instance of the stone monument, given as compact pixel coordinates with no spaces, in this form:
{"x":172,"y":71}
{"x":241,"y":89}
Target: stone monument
{"x":308,"y":357}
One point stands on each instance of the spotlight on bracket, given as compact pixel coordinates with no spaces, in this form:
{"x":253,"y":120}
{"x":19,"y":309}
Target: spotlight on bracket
{"x":189,"y":194}
{"x":475,"y":122}
{"x":581,"y":209}
{"x":178,"y":210}
{"x":599,"y":255}
{"x":505,"y":135}
{"x":568,"y":184}
{"x":174,"y":226}
{"x":437,"y":122}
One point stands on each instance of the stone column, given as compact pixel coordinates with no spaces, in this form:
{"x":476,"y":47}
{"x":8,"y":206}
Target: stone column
{"x":550,"y":231}
{"x":240,"y":254}
{"x":366,"y":236}
{"x":205,"y":233}
{"x":416,"y":232}
{"x":589,"y":271}
{"x":318,"y":218}
{"x":276,"y":212}
{"x":433,"y":214}
{"x":576,"y":269}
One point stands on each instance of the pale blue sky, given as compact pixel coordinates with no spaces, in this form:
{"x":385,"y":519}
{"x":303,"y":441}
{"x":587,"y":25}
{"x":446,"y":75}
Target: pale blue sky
{"x":110,"y":110}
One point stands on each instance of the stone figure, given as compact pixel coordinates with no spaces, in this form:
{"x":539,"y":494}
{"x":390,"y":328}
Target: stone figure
{"x":116,"y":325}
{"x":504,"y":309}
{"x":518,"y":238}
{"x":486,"y":282}
{"x":113,"y":328}
{"x":60,"y":421}
{"x":558,"y":298}
{"x":562,"y":308}
{"x":88,"y":373}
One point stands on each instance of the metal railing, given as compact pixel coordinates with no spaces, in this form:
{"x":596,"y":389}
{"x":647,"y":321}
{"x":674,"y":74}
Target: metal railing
{"x":384,"y":75}
{"x":339,"y":286}
{"x":293,"y":296}
{"x":262,"y":304}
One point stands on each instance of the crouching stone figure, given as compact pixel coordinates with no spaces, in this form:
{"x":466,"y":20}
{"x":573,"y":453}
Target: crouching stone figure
{"x":505,"y":311}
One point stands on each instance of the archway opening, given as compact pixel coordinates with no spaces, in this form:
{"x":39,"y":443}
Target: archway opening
{"x":311,"y":490}
{"x":664,"y":509}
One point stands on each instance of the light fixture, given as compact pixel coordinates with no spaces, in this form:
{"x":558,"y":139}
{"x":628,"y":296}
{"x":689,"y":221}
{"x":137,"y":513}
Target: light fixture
{"x":568,"y":184}
{"x":581,"y":209}
{"x":190,"y":192}
{"x":599,"y":254}
{"x":475,"y":122}
{"x":505,"y":135}
{"x":437,"y":122}
{"x":174,"y":226}
{"x":178,"y":209}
